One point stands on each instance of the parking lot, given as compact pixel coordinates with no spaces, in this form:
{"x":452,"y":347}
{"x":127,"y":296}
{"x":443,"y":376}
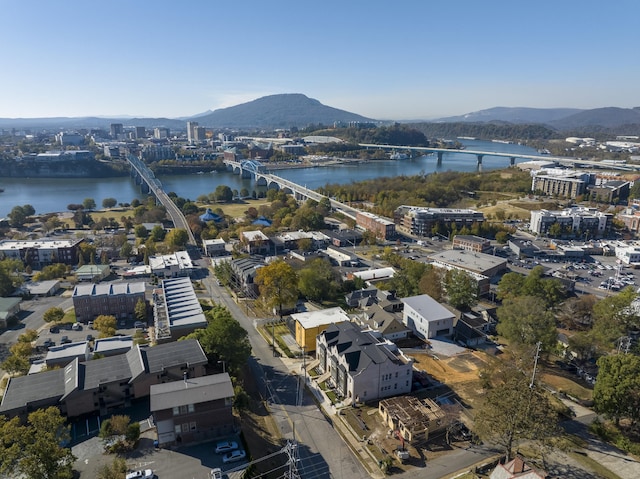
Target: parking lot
{"x":193,"y":462}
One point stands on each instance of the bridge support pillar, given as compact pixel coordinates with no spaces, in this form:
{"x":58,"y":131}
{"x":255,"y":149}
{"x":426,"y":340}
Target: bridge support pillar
{"x":480,"y":162}
{"x":144,"y":188}
{"x":439,"y":154}
{"x":513,"y":160}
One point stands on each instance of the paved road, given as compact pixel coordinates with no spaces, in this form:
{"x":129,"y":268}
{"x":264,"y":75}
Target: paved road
{"x":322,"y":451}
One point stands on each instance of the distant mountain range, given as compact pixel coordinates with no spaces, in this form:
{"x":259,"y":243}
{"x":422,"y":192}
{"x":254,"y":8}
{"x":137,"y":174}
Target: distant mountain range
{"x":557,"y":118}
{"x":297,"y":110}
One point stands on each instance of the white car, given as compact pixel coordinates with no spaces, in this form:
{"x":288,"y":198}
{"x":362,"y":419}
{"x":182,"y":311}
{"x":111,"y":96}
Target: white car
{"x":216,"y":473}
{"x":226,"y":446}
{"x":234,"y":456}
{"x":146,"y":474}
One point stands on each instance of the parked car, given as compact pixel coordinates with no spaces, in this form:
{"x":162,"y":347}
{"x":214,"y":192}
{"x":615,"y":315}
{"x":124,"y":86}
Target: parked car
{"x":216,"y":473}
{"x":54,"y":329}
{"x":139,"y":324}
{"x":146,"y":474}
{"x":89,"y":337}
{"x":233,"y":456}
{"x":64,"y":340}
{"x":76,"y":327}
{"x":48,"y":343}
{"x":226,"y":446}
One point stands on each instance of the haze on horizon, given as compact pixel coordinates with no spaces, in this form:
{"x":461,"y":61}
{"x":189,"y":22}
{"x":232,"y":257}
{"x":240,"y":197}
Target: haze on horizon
{"x":418,"y":60}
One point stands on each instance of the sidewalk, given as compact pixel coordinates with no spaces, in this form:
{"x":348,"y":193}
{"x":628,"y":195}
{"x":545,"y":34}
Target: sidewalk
{"x":610,"y":457}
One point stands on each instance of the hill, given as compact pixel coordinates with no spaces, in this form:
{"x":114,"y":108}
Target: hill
{"x":513,"y":115}
{"x":561,"y":119}
{"x":277,"y":111}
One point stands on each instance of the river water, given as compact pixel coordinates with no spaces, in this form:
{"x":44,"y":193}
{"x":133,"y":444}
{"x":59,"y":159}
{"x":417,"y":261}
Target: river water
{"x":48,"y":195}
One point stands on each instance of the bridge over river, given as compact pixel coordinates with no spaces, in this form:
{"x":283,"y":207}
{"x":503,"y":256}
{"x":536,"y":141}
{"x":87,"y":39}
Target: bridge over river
{"x":259,"y":172}
{"x":145,"y":177}
{"x":563,"y":160}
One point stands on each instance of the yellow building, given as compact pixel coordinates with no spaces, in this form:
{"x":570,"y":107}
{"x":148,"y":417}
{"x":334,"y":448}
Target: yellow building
{"x":311,"y":323}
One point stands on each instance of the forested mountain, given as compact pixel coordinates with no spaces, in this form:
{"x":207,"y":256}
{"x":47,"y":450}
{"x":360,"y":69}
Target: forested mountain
{"x":488,"y":131}
{"x":278,"y":111}
{"x":396,"y":134}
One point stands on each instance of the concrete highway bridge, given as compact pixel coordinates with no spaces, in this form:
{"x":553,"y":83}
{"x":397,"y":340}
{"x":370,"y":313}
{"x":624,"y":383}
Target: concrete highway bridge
{"x":150,"y":184}
{"x":259,"y":173}
{"x":563,"y":160}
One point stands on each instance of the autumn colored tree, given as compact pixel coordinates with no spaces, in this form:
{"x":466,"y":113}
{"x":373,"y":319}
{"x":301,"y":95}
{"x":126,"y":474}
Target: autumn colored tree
{"x":514,"y":411}
{"x":53,"y":315}
{"x":35,"y":450}
{"x":105,"y":325}
{"x":278,"y":284}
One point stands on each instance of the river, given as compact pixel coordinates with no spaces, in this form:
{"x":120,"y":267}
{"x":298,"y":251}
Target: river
{"x":48,"y":195}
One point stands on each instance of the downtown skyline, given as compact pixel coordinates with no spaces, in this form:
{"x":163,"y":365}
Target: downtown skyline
{"x":417,"y":60}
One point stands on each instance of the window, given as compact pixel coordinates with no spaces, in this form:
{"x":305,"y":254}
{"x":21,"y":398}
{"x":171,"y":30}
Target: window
{"x":192,"y":425}
{"x":185,"y":427}
{"x":177,"y":429}
{"x":176,"y":411}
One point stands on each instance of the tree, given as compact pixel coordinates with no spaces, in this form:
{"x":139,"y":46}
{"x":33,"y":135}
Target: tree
{"x":140,"y":231}
{"x":18,"y":216}
{"x":140,"y":311}
{"x":577,"y":313}
{"x":177,"y":238}
{"x":614,"y":317}
{"x":224,"y":339}
{"x":116,"y":470}
{"x":158,"y":233}
{"x":278,"y":284}
{"x":89,"y":204}
{"x":16,"y":365}
{"x":617,"y":390}
{"x":109,"y":202}
{"x":317,"y":282}
{"x":513,"y":412}
{"x":526,"y":320}
{"x":105,"y":325}
{"x":126,"y":249}
{"x":431,"y":283}
{"x":34,"y":450}
{"x":53,"y":315}
{"x":223,"y":193}
{"x":461,"y":288}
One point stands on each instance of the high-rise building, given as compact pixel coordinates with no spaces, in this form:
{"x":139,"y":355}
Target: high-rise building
{"x":159,"y":133}
{"x":141,"y":132}
{"x":199,"y":133}
{"x":191,"y":127}
{"x":116,"y":129}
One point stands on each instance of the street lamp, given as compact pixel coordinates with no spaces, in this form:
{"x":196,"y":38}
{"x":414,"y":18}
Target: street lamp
{"x":224,"y":365}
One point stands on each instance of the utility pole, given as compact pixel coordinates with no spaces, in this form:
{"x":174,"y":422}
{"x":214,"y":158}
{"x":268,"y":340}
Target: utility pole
{"x":535,"y":364}
{"x":273,"y":337}
{"x":291,"y":450}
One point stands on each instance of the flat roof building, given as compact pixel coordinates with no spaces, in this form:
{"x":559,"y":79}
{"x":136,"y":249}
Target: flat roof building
{"x":177,"y":311}
{"x":311,"y":323}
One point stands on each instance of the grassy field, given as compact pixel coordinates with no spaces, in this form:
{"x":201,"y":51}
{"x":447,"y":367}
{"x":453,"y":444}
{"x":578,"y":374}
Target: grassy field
{"x":235,"y":209}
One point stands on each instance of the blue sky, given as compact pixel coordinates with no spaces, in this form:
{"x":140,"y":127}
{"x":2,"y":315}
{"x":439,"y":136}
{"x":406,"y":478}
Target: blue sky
{"x":397,"y":60}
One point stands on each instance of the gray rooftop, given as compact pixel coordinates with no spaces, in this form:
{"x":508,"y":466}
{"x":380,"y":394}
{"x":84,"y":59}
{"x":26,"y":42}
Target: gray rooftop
{"x":191,"y":391}
{"x":56,"y":383}
{"x":428,"y":307}
{"x":475,"y":262}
